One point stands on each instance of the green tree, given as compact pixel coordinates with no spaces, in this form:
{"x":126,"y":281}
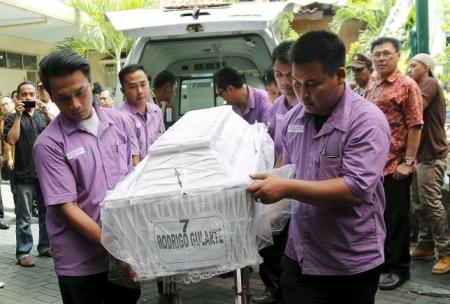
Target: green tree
{"x":97,"y":34}
{"x":372,"y":12}
{"x":444,"y":57}
{"x":284,"y":22}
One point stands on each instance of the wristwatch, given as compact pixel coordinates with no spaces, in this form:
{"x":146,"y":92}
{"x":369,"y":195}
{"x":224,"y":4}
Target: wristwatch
{"x":410,"y":161}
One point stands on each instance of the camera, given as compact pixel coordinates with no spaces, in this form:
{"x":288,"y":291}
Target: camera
{"x":29,"y":104}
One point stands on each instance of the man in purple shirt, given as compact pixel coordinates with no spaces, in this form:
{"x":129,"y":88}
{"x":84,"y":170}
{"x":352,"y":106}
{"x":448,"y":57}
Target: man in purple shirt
{"x":145,"y":117}
{"x":339,"y":143}
{"x":81,"y":155}
{"x":285,"y":102}
{"x":250,"y":103}
{"x":270,"y":268}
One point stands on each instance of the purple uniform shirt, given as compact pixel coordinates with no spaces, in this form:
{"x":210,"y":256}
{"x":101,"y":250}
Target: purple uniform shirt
{"x":258,"y":106}
{"x":75,"y":166}
{"x":277,"y":114}
{"x":352,"y":144}
{"x":147,"y":128}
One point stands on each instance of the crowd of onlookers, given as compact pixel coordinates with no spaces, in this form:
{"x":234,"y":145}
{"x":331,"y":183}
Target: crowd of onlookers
{"x":366,"y":157}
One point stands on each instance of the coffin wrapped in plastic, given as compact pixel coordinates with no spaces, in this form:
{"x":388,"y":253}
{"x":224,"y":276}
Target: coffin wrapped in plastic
{"x":185,"y":209}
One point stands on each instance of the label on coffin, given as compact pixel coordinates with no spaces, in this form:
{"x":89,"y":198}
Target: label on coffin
{"x":195,"y":242}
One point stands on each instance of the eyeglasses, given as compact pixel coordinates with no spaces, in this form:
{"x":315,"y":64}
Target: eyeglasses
{"x":220,"y":91}
{"x":385,"y":54}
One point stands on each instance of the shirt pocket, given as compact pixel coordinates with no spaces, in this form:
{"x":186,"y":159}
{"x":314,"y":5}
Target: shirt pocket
{"x":329,"y":167}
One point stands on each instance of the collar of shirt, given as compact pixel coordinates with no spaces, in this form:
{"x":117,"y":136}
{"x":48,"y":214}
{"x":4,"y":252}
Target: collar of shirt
{"x":134,"y":110}
{"x":149,"y":108}
{"x":339,"y":117}
{"x":391,"y":79}
{"x":286,"y":104}
{"x":69,"y":126}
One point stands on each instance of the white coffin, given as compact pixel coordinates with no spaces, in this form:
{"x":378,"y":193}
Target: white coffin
{"x":185,"y":209}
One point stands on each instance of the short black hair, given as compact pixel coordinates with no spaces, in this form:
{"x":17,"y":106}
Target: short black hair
{"x":228,"y":76}
{"x":97,"y":88}
{"x":61,"y":63}
{"x":269,"y":77}
{"x":131,"y":68}
{"x":164,"y":78}
{"x":25,"y":83}
{"x":281,"y":52}
{"x":382,"y":40}
{"x":12,"y":93}
{"x":321,"y":46}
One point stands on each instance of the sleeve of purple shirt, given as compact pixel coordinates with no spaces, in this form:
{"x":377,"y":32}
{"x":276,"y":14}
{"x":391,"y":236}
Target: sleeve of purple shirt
{"x":131,"y":130}
{"x":132,"y":146}
{"x":133,"y":141}
{"x":365,"y":155}
{"x":162,"y":128}
{"x":272,"y":121}
{"x":56,"y":178}
{"x":286,"y":154}
{"x":266,"y":105}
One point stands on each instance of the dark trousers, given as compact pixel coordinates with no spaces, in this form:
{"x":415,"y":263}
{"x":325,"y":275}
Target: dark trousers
{"x":270,"y":268}
{"x":26,"y":194}
{"x":95,"y":289}
{"x":2,"y":211}
{"x":297,"y":288}
{"x":12,"y":184}
{"x":396,"y":218}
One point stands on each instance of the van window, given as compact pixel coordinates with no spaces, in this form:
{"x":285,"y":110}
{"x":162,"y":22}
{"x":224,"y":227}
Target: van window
{"x":197,"y":93}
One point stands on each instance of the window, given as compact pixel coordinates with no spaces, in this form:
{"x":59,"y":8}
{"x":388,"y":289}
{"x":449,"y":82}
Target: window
{"x":29,"y":62}
{"x":14,"y":60}
{"x":2,"y":59}
{"x":18,"y":61}
{"x":196,"y":93}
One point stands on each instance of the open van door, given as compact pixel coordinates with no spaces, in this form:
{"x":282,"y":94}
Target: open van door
{"x":194,"y":42}
{"x":195,"y":22}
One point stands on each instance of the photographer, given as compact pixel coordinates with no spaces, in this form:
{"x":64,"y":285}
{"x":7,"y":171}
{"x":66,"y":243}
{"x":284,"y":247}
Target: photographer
{"x":21,"y":130}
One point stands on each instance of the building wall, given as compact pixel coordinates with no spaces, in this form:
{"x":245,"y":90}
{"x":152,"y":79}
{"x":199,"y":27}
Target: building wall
{"x":10,"y":78}
{"x":98,"y":73}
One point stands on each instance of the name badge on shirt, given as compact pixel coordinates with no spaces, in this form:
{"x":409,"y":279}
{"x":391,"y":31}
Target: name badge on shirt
{"x":75,"y":153}
{"x":296,"y":129}
{"x":279,"y":116}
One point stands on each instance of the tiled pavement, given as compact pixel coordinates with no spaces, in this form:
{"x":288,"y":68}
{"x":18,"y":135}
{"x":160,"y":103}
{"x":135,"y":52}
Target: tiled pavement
{"x":38,"y":285}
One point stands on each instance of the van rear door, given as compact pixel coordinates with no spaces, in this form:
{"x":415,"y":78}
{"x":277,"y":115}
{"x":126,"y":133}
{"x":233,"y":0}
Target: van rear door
{"x":205,"y":21}
{"x":194,"y":43}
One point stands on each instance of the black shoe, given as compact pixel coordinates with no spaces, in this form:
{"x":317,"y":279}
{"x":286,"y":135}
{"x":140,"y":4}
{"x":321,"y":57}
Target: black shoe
{"x":393,"y":281}
{"x":34,"y":210}
{"x":160,"y":287}
{"x":46,"y":253}
{"x":265,"y":298}
{"x":3,"y":224}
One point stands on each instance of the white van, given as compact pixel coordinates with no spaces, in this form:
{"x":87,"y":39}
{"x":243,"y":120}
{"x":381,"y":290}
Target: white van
{"x":193,"y":43}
